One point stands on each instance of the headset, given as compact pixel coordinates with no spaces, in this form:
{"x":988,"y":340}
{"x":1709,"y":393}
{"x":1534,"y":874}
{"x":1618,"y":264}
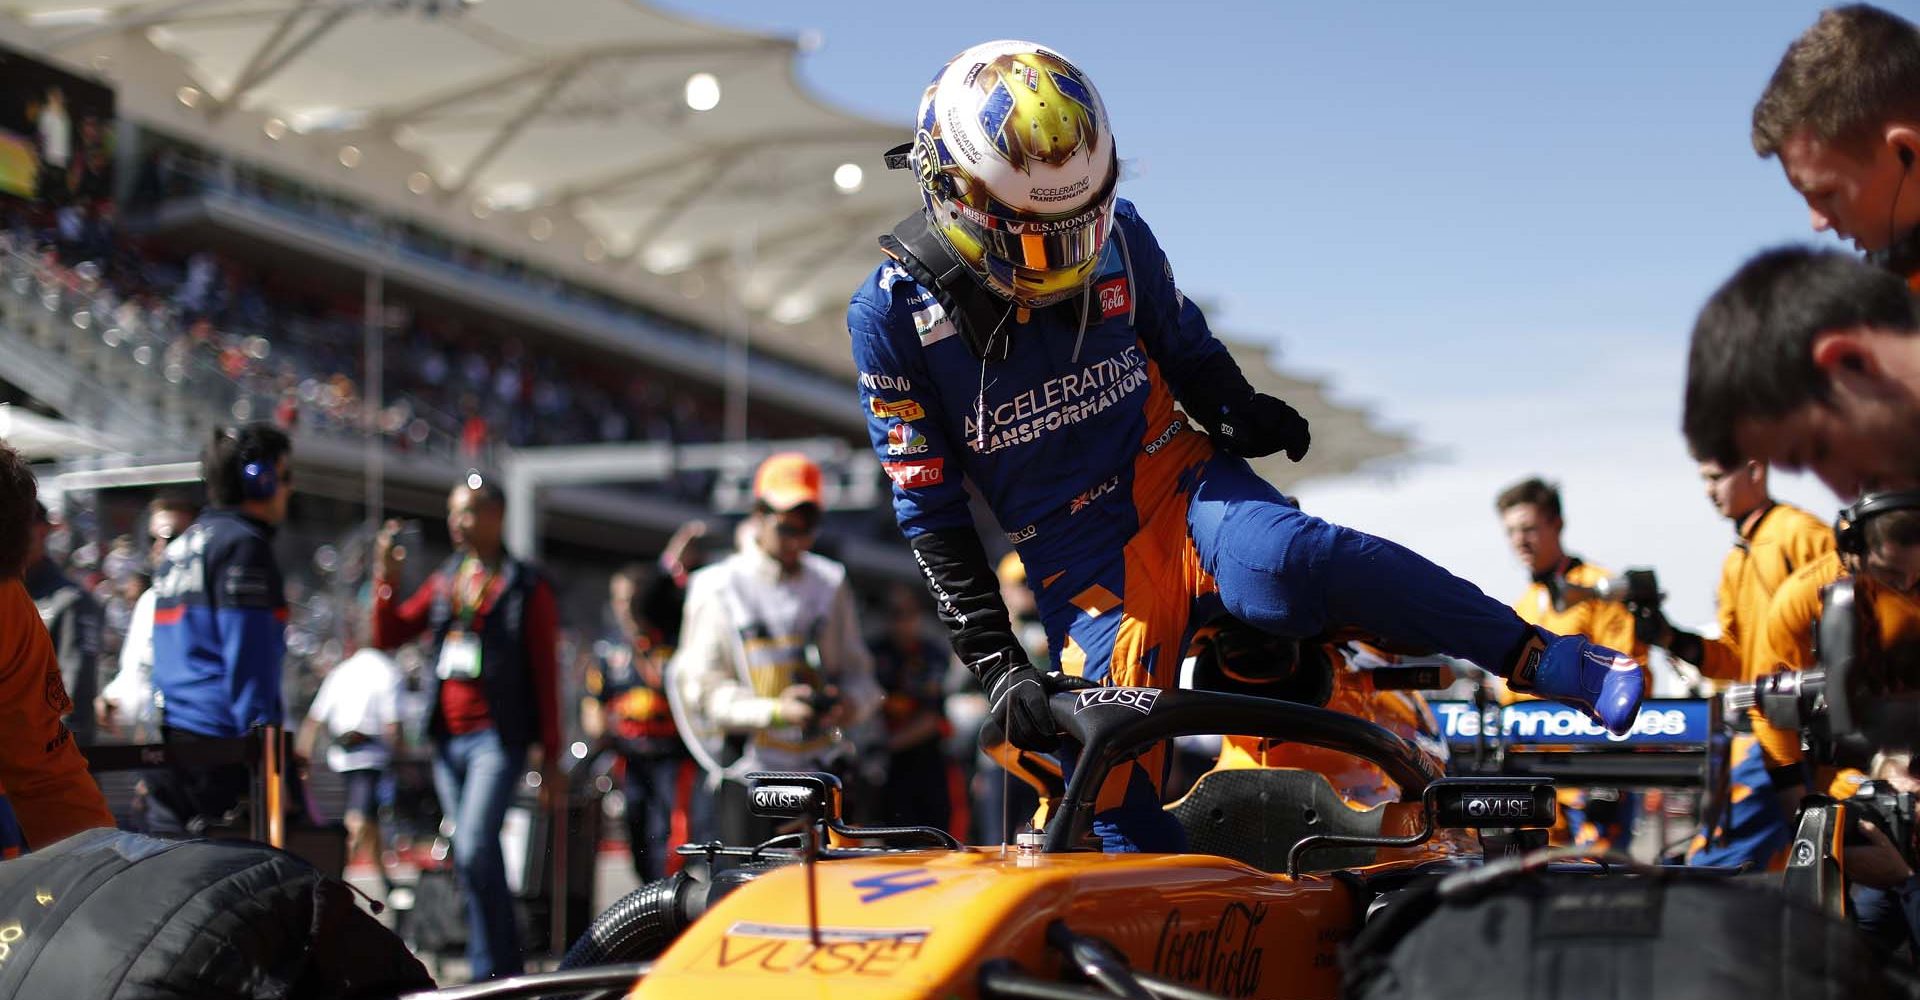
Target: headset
{"x":259,"y":479}
{"x":1850,"y":528}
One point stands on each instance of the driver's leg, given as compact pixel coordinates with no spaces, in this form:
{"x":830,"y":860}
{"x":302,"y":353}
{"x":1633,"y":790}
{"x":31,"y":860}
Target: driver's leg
{"x":1127,"y":627}
{"x":1296,"y":575}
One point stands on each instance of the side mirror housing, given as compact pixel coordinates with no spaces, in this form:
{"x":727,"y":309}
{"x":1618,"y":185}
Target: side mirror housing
{"x":1477,"y":803}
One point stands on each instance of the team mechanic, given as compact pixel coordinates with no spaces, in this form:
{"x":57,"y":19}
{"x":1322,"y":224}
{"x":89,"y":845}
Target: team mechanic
{"x":1027,"y":334}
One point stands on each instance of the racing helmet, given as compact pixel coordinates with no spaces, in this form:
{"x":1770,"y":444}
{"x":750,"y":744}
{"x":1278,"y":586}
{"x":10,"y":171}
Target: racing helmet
{"x":1017,"y":168}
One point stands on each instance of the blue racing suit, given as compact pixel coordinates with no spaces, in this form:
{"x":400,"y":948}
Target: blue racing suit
{"x":1133,"y":528}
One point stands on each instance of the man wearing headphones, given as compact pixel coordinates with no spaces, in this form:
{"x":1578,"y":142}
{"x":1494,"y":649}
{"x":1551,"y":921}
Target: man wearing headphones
{"x":1878,"y":546}
{"x":1842,"y":112}
{"x":219,"y":624}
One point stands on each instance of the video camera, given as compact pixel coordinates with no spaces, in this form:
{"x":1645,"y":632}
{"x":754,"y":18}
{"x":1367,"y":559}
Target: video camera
{"x":1851,"y":706}
{"x":1889,"y":809}
{"x":1637,"y":589}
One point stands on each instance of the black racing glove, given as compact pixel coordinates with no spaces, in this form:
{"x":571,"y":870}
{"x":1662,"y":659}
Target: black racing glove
{"x":1017,"y":697}
{"x":967,"y":596}
{"x":1259,"y":425}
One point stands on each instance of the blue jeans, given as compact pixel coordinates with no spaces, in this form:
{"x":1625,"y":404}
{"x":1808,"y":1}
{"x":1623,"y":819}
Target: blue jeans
{"x":652,"y":788}
{"x":475,"y":776}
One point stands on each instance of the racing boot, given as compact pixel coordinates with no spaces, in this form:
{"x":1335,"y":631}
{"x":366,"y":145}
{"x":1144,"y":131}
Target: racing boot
{"x":1596,"y":680}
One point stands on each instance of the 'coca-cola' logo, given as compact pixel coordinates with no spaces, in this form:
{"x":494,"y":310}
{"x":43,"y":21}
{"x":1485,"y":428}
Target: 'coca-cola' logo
{"x":1220,"y":957}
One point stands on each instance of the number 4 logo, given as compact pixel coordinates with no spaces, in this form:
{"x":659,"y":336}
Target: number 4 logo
{"x":875,"y":887}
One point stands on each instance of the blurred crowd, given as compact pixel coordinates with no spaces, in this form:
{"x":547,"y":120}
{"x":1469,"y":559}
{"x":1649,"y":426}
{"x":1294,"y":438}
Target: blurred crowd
{"x":293,"y":352}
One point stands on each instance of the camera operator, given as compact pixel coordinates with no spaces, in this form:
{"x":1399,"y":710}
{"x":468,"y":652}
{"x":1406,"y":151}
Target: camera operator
{"x":1876,"y":549}
{"x":1773,"y":540}
{"x":770,"y":661}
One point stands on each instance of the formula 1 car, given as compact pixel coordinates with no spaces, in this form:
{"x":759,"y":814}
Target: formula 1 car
{"x":1293,"y":872}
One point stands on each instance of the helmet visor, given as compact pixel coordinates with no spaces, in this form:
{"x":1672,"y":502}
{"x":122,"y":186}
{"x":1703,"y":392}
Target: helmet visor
{"x":1038,"y":244}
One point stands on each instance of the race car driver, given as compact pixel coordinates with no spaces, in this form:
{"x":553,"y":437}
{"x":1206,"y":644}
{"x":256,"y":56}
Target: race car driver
{"x":1026,"y":333}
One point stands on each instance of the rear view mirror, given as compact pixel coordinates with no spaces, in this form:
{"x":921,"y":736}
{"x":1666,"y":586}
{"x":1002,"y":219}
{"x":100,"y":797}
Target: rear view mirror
{"x":1475,"y":803}
{"x":807,"y":795}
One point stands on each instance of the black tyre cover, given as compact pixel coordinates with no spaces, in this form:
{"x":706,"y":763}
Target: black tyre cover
{"x":1615,"y":937}
{"x":107,"y":915}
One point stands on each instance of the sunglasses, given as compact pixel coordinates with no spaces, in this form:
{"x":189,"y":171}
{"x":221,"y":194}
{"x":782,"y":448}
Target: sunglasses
{"x":789,"y":529}
{"x":799,"y":522}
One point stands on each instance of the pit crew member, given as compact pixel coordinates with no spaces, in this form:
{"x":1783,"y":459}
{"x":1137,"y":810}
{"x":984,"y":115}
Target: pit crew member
{"x":1842,"y":113}
{"x":44,"y":785}
{"x":1532,"y":515}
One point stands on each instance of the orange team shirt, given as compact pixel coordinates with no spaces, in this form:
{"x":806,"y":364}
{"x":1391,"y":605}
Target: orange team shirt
{"x":1781,"y":542}
{"x":41,"y":770}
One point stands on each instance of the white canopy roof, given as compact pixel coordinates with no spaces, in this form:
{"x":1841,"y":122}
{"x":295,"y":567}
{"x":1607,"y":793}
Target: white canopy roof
{"x":563,"y":132}
{"x":40,"y":437}
{"x":580,"y":108}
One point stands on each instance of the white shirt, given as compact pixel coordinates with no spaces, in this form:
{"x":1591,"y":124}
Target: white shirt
{"x":361,"y":695}
{"x":56,"y":137}
{"x":746,"y":636}
{"x":131,"y":690}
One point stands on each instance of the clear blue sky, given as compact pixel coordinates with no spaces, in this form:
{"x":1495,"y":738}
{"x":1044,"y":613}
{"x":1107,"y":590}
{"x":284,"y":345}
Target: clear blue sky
{"x":1492,"y":223}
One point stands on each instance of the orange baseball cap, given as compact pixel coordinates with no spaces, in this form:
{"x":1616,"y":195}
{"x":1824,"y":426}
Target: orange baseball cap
{"x":786,"y":480}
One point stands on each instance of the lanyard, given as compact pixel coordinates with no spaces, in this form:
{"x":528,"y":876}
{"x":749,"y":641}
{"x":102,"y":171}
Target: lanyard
{"x":467,"y":600}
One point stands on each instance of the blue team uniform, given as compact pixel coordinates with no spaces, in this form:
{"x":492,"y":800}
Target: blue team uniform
{"x":219,"y":626}
{"x":1133,"y":529}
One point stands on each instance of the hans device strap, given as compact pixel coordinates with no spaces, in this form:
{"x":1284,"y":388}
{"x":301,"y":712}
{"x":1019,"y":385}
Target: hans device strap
{"x":976,"y":312}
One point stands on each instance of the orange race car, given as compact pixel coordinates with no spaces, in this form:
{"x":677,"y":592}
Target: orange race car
{"x":829,"y":910}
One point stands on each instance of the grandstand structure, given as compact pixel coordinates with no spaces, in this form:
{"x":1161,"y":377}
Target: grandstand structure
{"x":434,"y":234}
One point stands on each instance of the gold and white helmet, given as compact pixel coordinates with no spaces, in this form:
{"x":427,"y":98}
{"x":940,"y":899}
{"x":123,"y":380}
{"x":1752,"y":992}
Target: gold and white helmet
{"x":1017,"y":166}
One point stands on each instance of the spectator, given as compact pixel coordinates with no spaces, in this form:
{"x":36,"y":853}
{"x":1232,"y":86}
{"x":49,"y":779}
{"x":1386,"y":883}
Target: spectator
{"x":43,"y":779}
{"x":665,"y":598}
{"x":358,"y":708}
{"x":128,"y":698}
{"x":219,"y":624}
{"x":493,"y":629}
{"x":73,"y":617}
{"x":770,"y":662}
{"x":629,"y":710}
{"x":912,"y":669}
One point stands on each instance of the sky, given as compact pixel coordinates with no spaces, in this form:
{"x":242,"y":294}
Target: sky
{"x":1489,"y":223}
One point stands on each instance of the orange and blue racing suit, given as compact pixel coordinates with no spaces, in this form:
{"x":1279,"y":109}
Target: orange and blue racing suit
{"x":1133,"y":528}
